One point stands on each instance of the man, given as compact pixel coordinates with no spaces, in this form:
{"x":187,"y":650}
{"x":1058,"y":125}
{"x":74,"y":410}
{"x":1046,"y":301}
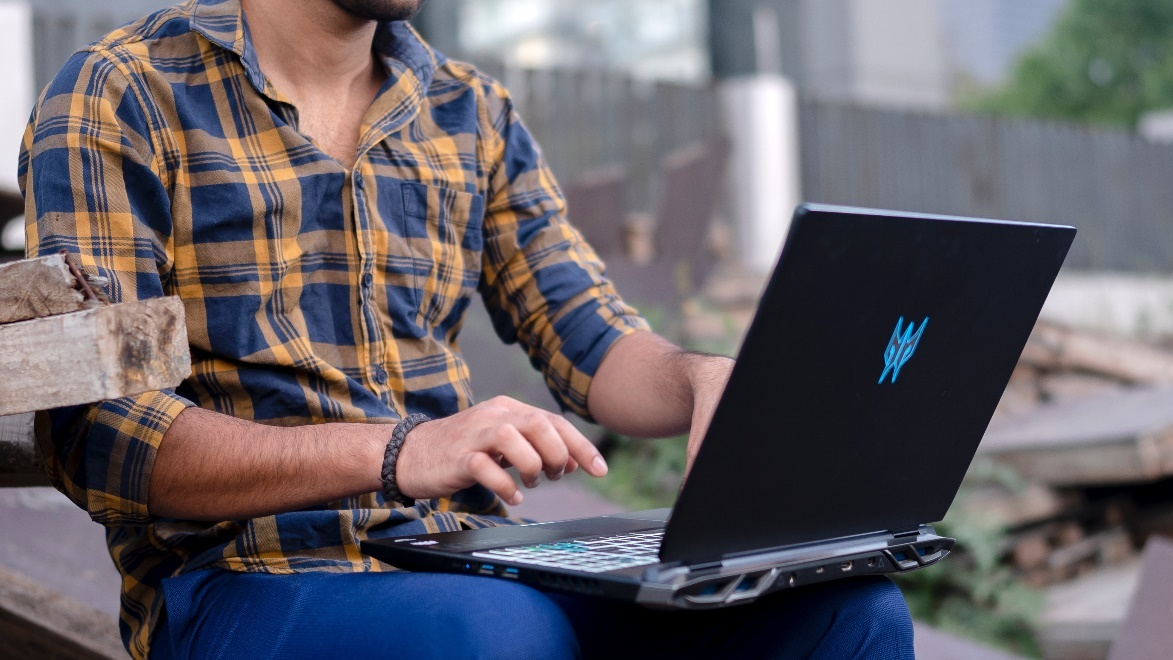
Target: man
{"x":325,"y":192}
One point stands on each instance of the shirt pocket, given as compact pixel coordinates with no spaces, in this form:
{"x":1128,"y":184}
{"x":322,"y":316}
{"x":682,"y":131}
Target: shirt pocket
{"x":449,"y":259}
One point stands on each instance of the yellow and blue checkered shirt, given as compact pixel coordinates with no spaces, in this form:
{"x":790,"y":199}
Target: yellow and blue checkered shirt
{"x":164,"y":160}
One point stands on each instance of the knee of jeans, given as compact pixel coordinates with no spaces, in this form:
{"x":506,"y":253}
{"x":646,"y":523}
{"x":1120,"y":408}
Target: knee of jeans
{"x":515,"y":621}
{"x":877,"y":604}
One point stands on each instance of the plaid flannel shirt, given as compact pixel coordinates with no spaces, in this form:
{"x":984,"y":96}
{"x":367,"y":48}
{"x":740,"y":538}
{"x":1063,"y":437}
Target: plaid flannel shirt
{"x":164,"y":160}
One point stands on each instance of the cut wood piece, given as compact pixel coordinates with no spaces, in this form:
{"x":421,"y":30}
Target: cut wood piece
{"x":1081,"y":617}
{"x":1146,"y":632}
{"x":1031,"y":552}
{"x":1116,"y":437}
{"x":1009,"y":509}
{"x":34,"y":288}
{"x":92,"y":355}
{"x":36,"y":622}
{"x":1052,"y":347}
{"x":20,"y":464}
{"x":1060,"y":386}
{"x":1099,"y":547}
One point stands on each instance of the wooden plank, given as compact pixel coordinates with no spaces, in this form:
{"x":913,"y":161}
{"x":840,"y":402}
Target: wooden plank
{"x":36,"y":623}
{"x":102,"y":353}
{"x":1112,"y":438}
{"x":1146,"y":632}
{"x":932,"y":644}
{"x":1052,"y":347}
{"x":1082,"y":617}
{"x":34,"y":288}
{"x":20,"y":464}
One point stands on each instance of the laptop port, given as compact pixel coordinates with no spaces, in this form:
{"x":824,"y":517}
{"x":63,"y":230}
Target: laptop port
{"x":846,"y":566}
{"x":510,"y":573}
{"x":872,"y":562}
{"x":792,"y":579}
{"x":486,"y":569}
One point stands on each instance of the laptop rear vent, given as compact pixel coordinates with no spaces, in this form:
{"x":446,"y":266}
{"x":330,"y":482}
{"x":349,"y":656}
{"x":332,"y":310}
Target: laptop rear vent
{"x":581,"y":585}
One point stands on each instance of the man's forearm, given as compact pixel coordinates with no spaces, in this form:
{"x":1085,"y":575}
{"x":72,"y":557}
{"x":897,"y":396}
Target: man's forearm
{"x":647,"y":387}
{"x":211,"y":466}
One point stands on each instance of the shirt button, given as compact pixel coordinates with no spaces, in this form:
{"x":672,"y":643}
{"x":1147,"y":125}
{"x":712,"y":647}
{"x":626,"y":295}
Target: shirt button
{"x":358,"y":182}
{"x":367,"y":280}
{"x":380,"y":375}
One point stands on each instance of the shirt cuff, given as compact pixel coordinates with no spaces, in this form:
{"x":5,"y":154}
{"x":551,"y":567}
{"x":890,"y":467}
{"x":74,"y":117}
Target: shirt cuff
{"x":588,"y":332}
{"x":107,"y":466}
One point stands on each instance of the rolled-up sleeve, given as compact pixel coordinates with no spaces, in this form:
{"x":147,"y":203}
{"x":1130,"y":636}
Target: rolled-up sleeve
{"x":542,"y":283}
{"x":90,"y":175}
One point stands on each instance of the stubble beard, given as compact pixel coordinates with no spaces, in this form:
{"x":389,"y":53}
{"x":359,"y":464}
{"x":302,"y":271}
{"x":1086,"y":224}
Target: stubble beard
{"x":381,"y":10}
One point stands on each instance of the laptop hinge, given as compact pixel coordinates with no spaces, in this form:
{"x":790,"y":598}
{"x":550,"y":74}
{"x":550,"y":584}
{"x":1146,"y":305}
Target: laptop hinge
{"x":915,"y":531}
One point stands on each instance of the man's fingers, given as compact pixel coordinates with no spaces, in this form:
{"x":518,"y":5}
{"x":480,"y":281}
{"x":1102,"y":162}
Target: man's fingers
{"x":581,"y":449}
{"x":549,"y":443}
{"x":490,"y":475}
{"x":517,"y":450}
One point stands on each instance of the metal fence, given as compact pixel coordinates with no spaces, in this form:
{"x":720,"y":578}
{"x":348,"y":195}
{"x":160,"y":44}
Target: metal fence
{"x":590,"y":119}
{"x":1114,"y":186}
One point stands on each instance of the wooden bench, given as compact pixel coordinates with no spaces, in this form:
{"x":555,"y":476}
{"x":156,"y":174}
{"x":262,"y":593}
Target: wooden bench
{"x":62,"y":344}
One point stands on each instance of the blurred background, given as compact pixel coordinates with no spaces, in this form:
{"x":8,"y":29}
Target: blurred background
{"x":683,"y":133}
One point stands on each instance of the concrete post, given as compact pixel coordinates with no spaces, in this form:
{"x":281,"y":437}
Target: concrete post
{"x":16,"y":79}
{"x":761,"y":114}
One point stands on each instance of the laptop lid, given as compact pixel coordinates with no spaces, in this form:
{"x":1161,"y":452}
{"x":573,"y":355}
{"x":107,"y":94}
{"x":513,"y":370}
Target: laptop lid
{"x":878,"y":353}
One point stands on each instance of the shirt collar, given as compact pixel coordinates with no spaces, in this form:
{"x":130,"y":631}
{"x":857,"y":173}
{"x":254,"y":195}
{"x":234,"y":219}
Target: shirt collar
{"x":397,"y":44}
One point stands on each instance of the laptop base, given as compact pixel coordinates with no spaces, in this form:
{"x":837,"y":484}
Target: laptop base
{"x":673,"y":585}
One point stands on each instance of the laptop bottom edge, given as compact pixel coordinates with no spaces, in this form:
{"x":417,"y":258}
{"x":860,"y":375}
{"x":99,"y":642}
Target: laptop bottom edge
{"x":733,"y":581}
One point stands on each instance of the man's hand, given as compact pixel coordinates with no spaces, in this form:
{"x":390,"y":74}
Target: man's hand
{"x":475,"y":445}
{"x":648,"y":388}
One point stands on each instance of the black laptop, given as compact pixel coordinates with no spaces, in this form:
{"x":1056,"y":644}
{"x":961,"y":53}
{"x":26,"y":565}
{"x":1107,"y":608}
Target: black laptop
{"x":878,"y":353}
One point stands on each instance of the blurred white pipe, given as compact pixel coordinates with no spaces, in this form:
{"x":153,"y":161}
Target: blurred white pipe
{"x":16,"y":81}
{"x":761,"y":113}
{"x":12,"y":236}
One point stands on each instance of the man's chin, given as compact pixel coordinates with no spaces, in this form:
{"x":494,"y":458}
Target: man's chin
{"x":381,"y":10}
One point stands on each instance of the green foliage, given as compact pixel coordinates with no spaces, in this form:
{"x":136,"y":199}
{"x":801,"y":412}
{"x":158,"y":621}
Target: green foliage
{"x":642,"y":474}
{"x":1106,"y":61}
{"x":972,"y":593}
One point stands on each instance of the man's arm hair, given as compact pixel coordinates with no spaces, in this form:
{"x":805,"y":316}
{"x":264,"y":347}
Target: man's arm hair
{"x":646,"y":386}
{"x":212,"y":466}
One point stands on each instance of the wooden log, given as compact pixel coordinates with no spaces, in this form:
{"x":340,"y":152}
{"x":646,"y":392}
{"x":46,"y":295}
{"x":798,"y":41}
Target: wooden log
{"x":1098,"y":547}
{"x":1031,"y":552}
{"x":1052,"y":347}
{"x":34,"y":288}
{"x":36,"y":622}
{"x":20,"y":464}
{"x":1059,"y":386}
{"x":102,"y":353}
{"x":1008,"y":509}
{"x":1116,"y":437}
{"x":1145,"y":632}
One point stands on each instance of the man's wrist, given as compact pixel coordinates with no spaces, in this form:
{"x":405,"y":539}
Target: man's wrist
{"x":390,"y":473}
{"x":705,"y":371}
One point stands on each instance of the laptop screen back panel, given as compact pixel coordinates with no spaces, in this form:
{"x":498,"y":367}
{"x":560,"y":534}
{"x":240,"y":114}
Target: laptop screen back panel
{"x":867,"y":379}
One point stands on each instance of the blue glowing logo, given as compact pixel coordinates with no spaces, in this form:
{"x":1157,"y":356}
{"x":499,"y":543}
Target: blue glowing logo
{"x":901,"y":346}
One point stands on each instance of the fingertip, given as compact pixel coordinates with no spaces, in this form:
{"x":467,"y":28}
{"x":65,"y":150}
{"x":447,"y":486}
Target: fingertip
{"x":516,"y":499}
{"x":599,"y":466}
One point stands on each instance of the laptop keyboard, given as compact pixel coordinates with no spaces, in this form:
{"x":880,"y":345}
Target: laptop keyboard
{"x":597,"y":554}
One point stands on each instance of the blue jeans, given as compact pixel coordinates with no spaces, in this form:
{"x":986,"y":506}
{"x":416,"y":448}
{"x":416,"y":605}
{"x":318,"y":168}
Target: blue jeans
{"x":219,"y":614}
